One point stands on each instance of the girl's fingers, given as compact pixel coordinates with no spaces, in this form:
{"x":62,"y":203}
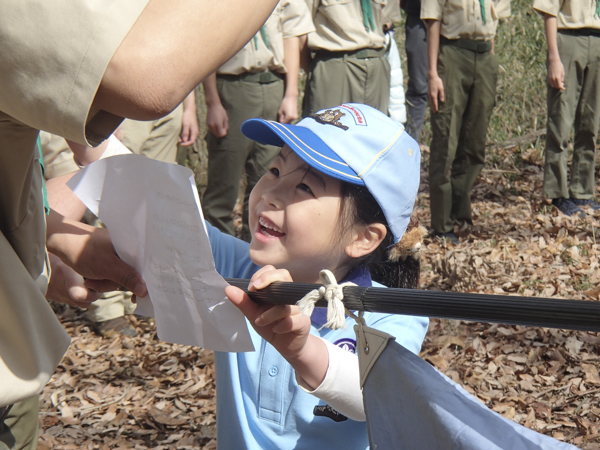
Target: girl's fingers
{"x":242,"y":301}
{"x":268,"y":275}
{"x":275,"y":314}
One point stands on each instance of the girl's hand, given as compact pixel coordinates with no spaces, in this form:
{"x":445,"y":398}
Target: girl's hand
{"x":283,"y":326}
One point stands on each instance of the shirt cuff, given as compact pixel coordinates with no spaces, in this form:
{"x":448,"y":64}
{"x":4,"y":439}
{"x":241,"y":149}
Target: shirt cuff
{"x":340,"y":388}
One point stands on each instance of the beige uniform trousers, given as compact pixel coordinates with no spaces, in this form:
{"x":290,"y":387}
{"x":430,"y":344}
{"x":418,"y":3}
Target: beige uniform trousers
{"x":354,"y":77}
{"x":155,"y":139}
{"x":233,"y":155}
{"x":576,"y":109}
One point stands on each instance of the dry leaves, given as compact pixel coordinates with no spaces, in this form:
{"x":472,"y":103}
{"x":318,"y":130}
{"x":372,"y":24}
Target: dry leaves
{"x":544,"y":379}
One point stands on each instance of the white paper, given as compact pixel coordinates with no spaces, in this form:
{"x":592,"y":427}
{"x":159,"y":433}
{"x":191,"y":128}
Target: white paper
{"x":153,"y":214}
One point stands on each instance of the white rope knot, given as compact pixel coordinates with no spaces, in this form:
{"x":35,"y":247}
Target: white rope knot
{"x":334,"y":294}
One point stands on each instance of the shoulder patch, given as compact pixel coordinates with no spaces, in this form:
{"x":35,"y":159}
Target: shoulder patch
{"x":347,"y":344}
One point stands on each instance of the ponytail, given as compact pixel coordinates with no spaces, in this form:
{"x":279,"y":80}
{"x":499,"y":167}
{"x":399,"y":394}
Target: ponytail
{"x":393,"y":265}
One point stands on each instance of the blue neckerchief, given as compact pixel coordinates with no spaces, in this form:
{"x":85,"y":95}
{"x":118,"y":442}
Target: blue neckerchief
{"x":359,"y":276}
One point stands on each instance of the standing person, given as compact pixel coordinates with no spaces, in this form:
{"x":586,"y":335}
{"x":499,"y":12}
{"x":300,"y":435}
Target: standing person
{"x":416,"y":62}
{"x":261,"y":80}
{"x":462,"y":76}
{"x":339,"y":196}
{"x":79,"y":80}
{"x":345,"y":56}
{"x":158,"y":139}
{"x":573,"y":39}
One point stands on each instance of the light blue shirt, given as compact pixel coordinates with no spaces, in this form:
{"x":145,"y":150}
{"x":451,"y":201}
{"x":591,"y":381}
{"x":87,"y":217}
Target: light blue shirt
{"x":259,"y":403}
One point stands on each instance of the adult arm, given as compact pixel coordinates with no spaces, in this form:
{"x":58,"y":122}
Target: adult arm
{"x":152,"y":72}
{"x":216,"y":116}
{"x":288,"y":110}
{"x":435,"y":89}
{"x":189,"y":122}
{"x":556,"y":70}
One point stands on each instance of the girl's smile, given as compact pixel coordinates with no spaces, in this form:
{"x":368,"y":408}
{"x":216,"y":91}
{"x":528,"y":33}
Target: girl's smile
{"x":294,"y":217}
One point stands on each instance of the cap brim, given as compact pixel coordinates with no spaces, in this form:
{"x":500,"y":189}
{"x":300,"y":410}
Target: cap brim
{"x":305,"y":143}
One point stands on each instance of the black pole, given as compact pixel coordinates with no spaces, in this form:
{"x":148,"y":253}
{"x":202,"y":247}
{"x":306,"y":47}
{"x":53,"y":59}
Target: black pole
{"x":513,"y":310}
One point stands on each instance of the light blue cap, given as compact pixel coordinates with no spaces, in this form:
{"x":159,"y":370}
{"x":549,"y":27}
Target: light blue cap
{"x":357,"y":144}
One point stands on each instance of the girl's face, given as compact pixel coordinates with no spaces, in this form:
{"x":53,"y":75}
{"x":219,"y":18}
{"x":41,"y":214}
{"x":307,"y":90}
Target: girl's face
{"x":293,"y":215}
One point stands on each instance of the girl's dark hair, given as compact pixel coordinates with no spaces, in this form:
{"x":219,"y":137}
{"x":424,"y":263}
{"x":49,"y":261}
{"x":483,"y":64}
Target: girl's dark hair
{"x":358,"y":206}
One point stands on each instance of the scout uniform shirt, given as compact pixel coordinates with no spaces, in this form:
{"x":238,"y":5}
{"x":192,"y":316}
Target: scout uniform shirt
{"x":571,"y":14}
{"x":265,"y":51}
{"x":49,"y":81}
{"x":468,"y":19}
{"x":341,"y":25}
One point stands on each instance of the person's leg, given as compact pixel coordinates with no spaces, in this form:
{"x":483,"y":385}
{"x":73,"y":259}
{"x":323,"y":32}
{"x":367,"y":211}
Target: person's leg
{"x":333,"y":81}
{"x":261,"y":155}
{"x":227,"y":156}
{"x":19,"y":428}
{"x":135,"y":133}
{"x":587,"y":121}
{"x":561,"y":116}
{"x":416,"y":61}
{"x":327,"y":85}
{"x":376,"y":87}
{"x":161,"y":143}
{"x":455,"y":68}
{"x":470,"y":156}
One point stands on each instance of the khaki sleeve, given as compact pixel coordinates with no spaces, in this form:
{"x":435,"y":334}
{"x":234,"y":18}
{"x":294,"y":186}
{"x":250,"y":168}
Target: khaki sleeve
{"x":551,"y":7}
{"x":502,"y":8}
{"x":296,"y":19}
{"x":431,"y":9}
{"x":50,"y":74}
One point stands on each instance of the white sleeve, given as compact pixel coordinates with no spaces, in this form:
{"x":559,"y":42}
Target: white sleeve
{"x":341,"y":386}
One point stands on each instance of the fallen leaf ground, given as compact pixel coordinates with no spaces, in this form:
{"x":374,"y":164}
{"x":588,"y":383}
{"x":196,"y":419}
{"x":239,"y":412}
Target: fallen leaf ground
{"x":143,"y":393}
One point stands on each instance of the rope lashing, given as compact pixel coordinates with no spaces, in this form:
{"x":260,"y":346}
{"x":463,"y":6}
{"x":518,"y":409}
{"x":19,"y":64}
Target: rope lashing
{"x":334,"y":294}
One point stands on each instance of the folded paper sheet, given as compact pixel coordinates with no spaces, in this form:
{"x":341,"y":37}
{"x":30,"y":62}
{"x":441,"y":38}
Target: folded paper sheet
{"x":152,"y":212}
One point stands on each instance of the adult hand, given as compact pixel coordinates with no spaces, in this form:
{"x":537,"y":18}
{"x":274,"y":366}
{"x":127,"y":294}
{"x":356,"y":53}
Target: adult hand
{"x":217,"y":120}
{"x":90,"y":252}
{"x":556,"y":73}
{"x":435,"y":92}
{"x":283,"y":326}
{"x":67,"y":286}
{"x":189,"y":129}
{"x":288,"y":110}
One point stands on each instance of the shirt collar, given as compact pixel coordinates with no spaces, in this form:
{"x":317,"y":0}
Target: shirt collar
{"x":360,"y":276}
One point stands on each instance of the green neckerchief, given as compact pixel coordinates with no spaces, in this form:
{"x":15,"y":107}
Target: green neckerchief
{"x":263,"y":33}
{"x":44,"y":191}
{"x":482,"y":3}
{"x":597,"y":9}
{"x":368,"y":15}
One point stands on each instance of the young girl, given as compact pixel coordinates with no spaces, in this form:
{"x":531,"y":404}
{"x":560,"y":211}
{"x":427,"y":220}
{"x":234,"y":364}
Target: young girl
{"x":339,"y":196}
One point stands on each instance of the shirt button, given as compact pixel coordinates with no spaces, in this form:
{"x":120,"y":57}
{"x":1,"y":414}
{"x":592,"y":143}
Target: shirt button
{"x":273,"y":371}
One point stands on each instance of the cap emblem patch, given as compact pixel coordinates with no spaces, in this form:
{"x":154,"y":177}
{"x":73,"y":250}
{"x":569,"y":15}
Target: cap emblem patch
{"x":330,"y":117}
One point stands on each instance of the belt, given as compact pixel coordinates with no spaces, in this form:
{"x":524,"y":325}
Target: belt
{"x":580,"y":31}
{"x":468,"y":44}
{"x":363,"y":53}
{"x":259,"y":77}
